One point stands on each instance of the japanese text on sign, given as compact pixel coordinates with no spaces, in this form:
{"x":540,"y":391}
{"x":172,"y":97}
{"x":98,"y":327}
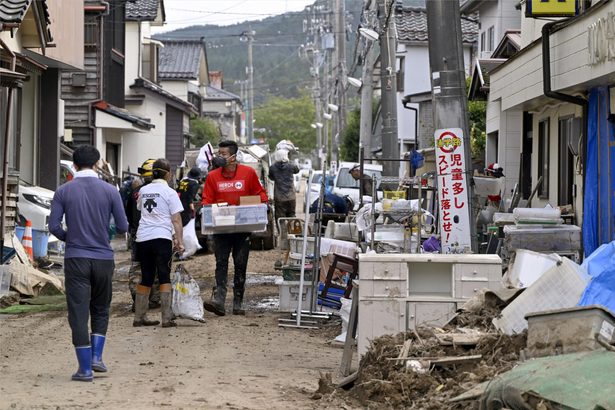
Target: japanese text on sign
{"x":452,"y":191}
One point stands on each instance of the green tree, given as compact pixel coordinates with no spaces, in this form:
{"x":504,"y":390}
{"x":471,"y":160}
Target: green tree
{"x":204,"y":130}
{"x":286,"y":118}
{"x":477,"y":114}
{"x":349,"y":150}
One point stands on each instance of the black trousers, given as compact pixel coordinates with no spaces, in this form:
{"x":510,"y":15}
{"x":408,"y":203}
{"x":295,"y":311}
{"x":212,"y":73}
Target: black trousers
{"x":88,"y":295}
{"x":285,"y":209}
{"x":155,"y":256}
{"x":237,"y":244}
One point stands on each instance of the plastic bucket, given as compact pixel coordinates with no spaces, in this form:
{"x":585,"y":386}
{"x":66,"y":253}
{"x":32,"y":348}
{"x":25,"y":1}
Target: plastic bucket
{"x":40,"y":241}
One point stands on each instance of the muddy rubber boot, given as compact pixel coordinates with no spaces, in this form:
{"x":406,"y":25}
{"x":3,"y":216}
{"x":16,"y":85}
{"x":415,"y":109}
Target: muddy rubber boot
{"x":237,"y":303}
{"x":84,"y":357}
{"x":216,"y":305}
{"x":98,"y":344}
{"x":166,"y":311}
{"x":141,"y":307}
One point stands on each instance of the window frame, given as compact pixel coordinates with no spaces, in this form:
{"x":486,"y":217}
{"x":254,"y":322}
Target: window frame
{"x":544,"y":157}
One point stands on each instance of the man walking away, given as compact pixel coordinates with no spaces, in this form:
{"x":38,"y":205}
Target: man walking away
{"x":281,"y":173}
{"x":227,"y":183}
{"x":87,"y":203}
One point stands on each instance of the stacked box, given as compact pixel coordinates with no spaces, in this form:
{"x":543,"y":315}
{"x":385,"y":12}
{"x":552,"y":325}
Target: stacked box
{"x":229,"y":219}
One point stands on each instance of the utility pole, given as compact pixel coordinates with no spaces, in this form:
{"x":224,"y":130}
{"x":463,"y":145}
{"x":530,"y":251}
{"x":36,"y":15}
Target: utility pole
{"x":249,"y":37}
{"x":339,"y":22}
{"x":390,"y":144}
{"x":448,"y":83}
{"x":365,"y":139}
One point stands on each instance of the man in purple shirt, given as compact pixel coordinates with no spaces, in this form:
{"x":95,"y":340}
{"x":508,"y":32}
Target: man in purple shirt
{"x":87,"y":203}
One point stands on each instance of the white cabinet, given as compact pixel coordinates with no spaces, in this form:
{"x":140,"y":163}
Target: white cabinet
{"x":399,"y":292}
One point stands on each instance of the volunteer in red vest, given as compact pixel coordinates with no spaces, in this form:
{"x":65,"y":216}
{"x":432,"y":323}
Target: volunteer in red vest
{"x":227,"y":183}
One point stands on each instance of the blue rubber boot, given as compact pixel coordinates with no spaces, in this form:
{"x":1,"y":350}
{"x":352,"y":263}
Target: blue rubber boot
{"x":84,"y":357}
{"x":98,"y":344}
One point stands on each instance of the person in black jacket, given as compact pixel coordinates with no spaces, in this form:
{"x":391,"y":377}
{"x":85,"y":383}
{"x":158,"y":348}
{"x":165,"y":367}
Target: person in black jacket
{"x":187,"y":190}
{"x":282,"y":174}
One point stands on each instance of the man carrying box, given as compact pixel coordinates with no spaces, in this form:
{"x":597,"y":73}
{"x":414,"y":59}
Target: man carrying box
{"x":228,"y":183}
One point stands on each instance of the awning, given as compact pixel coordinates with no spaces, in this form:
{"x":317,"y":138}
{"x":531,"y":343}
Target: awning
{"x":111,"y":117}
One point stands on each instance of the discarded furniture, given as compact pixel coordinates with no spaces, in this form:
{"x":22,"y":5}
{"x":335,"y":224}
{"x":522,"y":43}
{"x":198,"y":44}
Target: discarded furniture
{"x":343,"y":263}
{"x":565,"y":240}
{"x":402,"y":291}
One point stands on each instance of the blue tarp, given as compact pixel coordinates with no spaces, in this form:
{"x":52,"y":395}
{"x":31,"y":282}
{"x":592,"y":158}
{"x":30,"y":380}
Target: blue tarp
{"x":601,"y":267}
{"x":599,"y":195}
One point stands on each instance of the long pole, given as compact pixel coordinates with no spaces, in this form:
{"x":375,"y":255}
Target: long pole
{"x":366,"y":100}
{"x":250,"y":37}
{"x":390,"y":147}
{"x":449,"y":100}
{"x":340,"y":68}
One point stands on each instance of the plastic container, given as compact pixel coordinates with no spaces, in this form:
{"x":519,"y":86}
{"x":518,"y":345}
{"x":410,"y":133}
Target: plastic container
{"x":296,"y":245}
{"x":394,"y":194}
{"x":289,"y":295}
{"x":293,"y":272}
{"x":40,"y":241}
{"x":229,"y":219}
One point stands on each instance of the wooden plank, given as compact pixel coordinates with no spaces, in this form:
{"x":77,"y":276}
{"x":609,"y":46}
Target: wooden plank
{"x":461,"y":339}
{"x":444,"y":360}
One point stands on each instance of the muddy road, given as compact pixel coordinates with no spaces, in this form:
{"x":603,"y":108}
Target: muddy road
{"x":229,"y":362}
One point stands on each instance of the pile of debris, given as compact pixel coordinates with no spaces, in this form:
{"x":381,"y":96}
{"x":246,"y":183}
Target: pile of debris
{"x":20,"y":280}
{"x":429,"y":367}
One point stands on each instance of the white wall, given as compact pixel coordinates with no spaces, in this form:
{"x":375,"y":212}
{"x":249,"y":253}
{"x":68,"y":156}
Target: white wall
{"x":137,"y":147}
{"x":509,"y":147}
{"x":132,"y":57}
{"x":502,"y":15}
{"x":177,"y":88}
{"x":28,"y":155}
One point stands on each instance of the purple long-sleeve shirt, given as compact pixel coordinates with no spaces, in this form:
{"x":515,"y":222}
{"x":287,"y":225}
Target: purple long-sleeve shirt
{"x":88,"y":204}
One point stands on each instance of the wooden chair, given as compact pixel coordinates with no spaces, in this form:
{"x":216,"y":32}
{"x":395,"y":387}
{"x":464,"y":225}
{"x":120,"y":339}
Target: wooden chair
{"x":343,"y":263}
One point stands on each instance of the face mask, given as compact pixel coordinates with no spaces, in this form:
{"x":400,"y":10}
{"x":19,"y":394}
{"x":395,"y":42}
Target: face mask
{"x":218,"y":162}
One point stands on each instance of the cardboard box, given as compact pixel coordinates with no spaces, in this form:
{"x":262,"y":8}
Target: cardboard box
{"x":250,"y":200}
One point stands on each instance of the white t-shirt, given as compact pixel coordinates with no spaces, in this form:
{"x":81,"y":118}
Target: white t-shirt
{"x":157,"y":203}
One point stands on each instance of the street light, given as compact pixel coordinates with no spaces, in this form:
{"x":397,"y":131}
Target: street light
{"x":355,"y":82}
{"x":327,"y":116}
{"x":369,"y":34}
{"x":333,"y":107}
{"x":317,"y":125}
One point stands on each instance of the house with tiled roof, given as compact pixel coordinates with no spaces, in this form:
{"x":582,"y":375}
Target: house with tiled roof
{"x":413,"y":77}
{"x":94,"y":97}
{"x":145,"y":95}
{"x":183,"y":69}
{"x":46,"y":38}
{"x":224,"y":108}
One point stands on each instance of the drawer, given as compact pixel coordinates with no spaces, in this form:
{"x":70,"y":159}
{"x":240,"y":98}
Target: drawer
{"x":478,"y":272}
{"x":383,"y":270}
{"x":382,"y":289}
{"x":469,"y":289}
{"x":429,"y":313}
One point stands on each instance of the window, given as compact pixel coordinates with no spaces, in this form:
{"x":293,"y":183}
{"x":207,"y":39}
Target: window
{"x":543,"y":158}
{"x":482,"y":41}
{"x":150,"y":62}
{"x":569,"y":132}
{"x":400,"y":74}
{"x":491,"y":38}
{"x":91,"y":34}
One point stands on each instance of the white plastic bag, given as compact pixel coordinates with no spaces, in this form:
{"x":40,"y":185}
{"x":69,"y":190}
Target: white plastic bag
{"x":187,"y":302}
{"x":191,"y":242}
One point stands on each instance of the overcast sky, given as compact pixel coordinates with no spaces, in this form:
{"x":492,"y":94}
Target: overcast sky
{"x":183,"y":13}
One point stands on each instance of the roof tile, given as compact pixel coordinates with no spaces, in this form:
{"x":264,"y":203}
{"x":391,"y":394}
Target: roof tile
{"x":180,"y":59}
{"x":411,"y":25}
{"x":142,"y":10}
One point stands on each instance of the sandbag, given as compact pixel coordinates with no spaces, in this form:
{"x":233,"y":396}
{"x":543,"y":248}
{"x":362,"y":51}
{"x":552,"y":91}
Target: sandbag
{"x":187,"y":302}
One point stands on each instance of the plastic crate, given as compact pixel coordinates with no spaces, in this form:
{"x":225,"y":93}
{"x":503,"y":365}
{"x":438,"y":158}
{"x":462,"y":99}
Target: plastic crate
{"x":289,"y":295}
{"x":229,"y":219}
{"x":394,"y":195}
{"x":296,"y":245}
{"x":293,"y":272}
